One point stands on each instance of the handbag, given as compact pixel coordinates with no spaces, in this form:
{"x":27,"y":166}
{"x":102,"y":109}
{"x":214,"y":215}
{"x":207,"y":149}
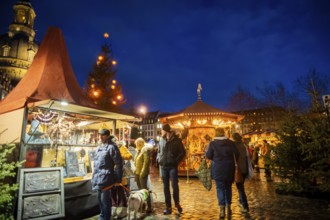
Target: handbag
{"x":204,"y":175}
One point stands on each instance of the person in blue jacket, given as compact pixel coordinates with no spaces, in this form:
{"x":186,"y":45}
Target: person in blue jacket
{"x":222,"y":152}
{"x":108,"y":171}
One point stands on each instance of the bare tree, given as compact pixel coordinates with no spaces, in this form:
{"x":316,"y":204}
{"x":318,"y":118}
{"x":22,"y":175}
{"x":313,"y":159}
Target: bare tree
{"x":242,"y":99}
{"x":311,"y":87}
{"x":278,"y":96}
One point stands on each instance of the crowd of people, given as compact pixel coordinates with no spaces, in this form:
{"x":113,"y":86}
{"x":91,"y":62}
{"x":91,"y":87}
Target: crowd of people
{"x":114,"y":164}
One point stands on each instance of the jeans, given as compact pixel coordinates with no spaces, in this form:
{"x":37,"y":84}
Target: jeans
{"x":224,"y":192}
{"x":241,"y":193}
{"x":105,"y":203}
{"x":167,"y":175}
{"x":118,"y":195}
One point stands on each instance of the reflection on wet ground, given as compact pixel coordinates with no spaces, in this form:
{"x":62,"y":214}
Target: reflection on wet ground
{"x":264,"y":202}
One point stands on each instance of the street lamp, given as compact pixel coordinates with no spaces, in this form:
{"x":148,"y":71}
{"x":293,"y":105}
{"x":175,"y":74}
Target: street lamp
{"x":142,"y":111}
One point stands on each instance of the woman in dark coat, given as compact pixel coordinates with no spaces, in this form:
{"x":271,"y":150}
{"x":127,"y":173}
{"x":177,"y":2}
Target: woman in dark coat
{"x":222,"y":152}
{"x":242,"y":170}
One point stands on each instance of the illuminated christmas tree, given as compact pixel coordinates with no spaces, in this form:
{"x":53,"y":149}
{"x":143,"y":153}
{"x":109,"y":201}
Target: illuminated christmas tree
{"x":101,"y":86}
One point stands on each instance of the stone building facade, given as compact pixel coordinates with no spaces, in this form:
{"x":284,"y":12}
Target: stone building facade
{"x":17,"y":47}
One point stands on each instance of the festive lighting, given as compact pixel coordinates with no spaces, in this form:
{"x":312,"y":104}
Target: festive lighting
{"x":114,"y":62}
{"x":114,"y":81}
{"x":84,"y":123}
{"x":143,"y":109}
{"x":202,"y":122}
{"x":45,"y":118}
{"x":217,"y":122}
{"x":113,"y":86}
{"x":64,"y":103}
{"x":119,"y":97}
{"x":106,"y":35}
{"x":186,"y":123}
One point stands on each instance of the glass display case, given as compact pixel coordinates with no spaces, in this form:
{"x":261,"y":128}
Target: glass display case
{"x":61,"y":139}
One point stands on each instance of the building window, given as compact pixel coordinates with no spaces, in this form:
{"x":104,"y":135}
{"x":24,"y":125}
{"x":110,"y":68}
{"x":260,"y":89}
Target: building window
{"x":30,"y":55}
{"x":6,"y":50}
{"x":21,"y":17}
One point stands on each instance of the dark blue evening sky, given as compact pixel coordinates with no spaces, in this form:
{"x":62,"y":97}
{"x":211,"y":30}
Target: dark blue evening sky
{"x":164,"y":48}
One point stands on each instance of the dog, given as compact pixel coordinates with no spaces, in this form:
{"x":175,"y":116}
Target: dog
{"x":137,"y":202}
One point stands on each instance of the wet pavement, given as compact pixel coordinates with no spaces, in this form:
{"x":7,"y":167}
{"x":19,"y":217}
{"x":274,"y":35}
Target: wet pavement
{"x":264,"y":202}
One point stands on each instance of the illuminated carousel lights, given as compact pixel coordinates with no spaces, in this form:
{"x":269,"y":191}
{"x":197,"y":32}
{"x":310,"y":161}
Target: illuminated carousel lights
{"x":217,"y":122}
{"x":202,"y":122}
{"x":186,"y":123}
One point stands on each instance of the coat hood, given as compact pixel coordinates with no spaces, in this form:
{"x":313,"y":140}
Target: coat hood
{"x":147,"y":147}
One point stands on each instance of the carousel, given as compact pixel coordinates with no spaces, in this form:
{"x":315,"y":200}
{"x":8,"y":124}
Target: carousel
{"x":197,"y":124}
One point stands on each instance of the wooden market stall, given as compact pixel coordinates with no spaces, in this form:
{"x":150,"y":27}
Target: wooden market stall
{"x":55,"y":130}
{"x":200,"y":120}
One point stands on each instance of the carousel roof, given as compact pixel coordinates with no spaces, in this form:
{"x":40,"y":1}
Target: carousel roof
{"x":200,"y":107}
{"x":201,"y":114}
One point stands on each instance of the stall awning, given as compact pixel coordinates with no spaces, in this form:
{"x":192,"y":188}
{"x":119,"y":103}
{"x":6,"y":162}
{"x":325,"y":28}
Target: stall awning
{"x":73,"y":108}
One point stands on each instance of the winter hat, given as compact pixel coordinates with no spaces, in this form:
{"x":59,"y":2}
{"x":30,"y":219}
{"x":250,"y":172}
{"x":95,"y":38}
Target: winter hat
{"x":167,"y":127}
{"x":104,"y":132}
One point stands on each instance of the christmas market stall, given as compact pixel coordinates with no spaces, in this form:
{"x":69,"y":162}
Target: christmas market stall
{"x":55,"y":130}
{"x":198,"y":122}
{"x":256,"y":138}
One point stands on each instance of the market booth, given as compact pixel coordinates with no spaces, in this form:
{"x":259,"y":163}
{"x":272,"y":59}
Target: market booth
{"x":198,"y":123}
{"x":256,"y":138}
{"x":55,"y":130}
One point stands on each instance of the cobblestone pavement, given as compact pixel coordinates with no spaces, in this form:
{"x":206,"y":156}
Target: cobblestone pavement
{"x":198,"y":203}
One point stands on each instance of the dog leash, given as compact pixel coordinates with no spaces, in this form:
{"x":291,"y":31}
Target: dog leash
{"x":112,"y":185}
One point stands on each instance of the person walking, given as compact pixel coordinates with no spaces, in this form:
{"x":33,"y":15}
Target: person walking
{"x":169,"y":160}
{"x":265,"y":153}
{"x":161,"y":145}
{"x":255,"y":157}
{"x":108,"y":171}
{"x":142,"y":164}
{"x":223,"y":152}
{"x":242,"y":170}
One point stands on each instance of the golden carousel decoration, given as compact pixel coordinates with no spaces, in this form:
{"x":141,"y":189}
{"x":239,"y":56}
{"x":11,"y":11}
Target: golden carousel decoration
{"x":197,"y":124}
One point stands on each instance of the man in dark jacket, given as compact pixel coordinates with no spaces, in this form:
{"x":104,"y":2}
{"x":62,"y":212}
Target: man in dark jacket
{"x":108,"y":170}
{"x":222,"y":152}
{"x":169,"y":160}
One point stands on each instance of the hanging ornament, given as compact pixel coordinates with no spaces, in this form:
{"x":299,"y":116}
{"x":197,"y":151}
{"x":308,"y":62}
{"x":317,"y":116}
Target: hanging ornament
{"x":45,"y":118}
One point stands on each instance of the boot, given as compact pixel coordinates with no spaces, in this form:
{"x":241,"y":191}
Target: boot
{"x":228,"y":210}
{"x":222,"y":211}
